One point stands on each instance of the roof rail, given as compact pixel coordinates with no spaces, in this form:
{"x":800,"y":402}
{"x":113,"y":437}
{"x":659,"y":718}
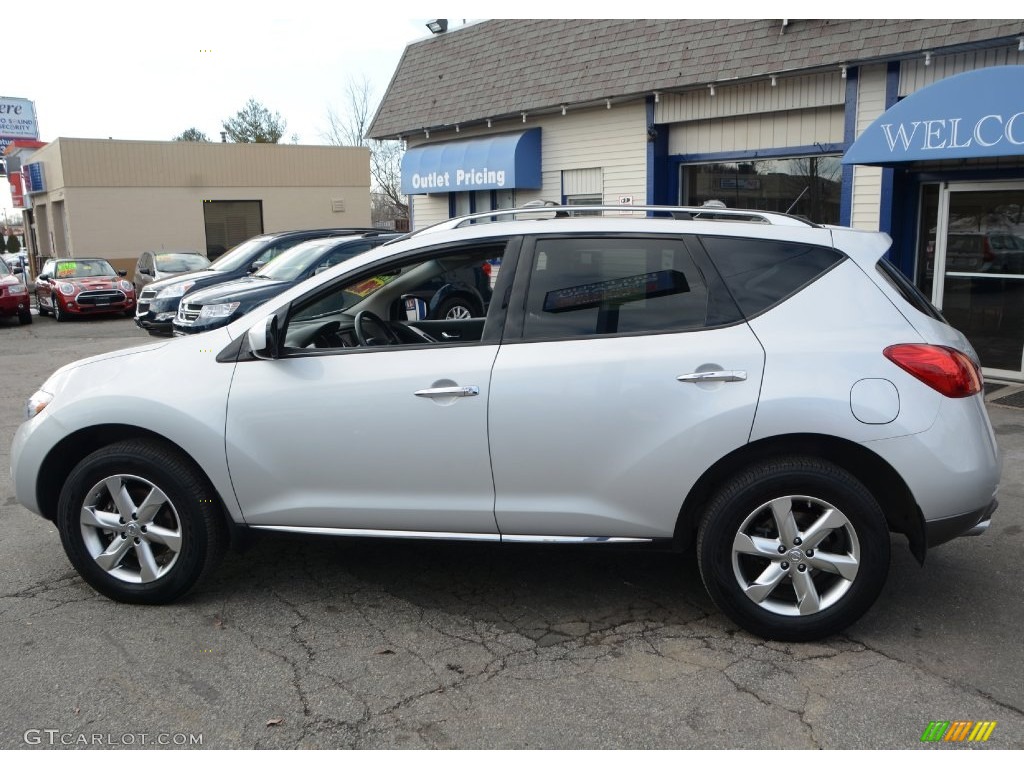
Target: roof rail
{"x":684,"y":213}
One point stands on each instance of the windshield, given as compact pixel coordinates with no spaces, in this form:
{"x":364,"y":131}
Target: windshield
{"x":84,"y":268}
{"x":292,"y":263}
{"x":239,"y":255}
{"x":180,"y":262}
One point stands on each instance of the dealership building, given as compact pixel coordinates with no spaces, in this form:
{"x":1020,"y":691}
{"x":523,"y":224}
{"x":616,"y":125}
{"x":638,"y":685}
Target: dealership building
{"x":116,"y":199}
{"x":911,"y":127}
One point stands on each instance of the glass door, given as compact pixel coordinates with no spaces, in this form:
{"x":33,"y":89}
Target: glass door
{"x":979,"y":253}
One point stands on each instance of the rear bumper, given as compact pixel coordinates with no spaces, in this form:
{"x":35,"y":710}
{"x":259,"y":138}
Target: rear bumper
{"x":972,"y":523}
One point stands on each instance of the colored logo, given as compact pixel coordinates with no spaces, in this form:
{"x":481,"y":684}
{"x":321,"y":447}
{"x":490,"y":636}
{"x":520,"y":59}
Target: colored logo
{"x":958,"y":730}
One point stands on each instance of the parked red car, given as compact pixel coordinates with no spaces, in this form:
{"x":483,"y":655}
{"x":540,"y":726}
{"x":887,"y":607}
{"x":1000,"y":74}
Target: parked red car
{"x":68,"y":287}
{"x":13,"y":296}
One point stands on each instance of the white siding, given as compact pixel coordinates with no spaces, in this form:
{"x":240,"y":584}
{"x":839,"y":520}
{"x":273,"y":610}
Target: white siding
{"x":823,"y":125}
{"x":610,"y":141}
{"x":790,"y":93}
{"x":867,"y":180}
{"x":914,"y":75}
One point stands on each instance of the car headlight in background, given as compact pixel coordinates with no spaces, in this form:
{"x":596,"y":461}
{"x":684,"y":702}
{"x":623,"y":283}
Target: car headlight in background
{"x":37,"y":403}
{"x":125,"y":286}
{"x":16,"y":290}
{"x":212,"y":311}
{"x":66,"y":288}
{"x":178,"y":289}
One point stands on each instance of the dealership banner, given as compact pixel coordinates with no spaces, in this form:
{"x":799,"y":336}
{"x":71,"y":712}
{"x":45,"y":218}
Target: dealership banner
{"x":17,"y":120}
{"x":17,"y":189}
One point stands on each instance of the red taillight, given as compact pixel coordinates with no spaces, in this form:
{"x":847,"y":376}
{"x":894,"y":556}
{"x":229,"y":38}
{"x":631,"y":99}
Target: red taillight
{"x":945,"y":370}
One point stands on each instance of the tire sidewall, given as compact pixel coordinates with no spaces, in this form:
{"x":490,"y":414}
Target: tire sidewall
{"x":820,"y":480}
{"x":187,"y":504}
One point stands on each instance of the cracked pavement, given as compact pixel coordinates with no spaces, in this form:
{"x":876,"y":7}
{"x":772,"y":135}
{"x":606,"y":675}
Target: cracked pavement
{"x":391,"y":644}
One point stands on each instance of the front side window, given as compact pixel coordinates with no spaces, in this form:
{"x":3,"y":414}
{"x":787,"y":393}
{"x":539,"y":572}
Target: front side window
{"x":439,"y":297}
{"x":582,"y":287}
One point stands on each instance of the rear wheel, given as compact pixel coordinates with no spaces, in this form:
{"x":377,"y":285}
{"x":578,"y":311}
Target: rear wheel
{"x":794,"y":549}
{"x":139,"y":523}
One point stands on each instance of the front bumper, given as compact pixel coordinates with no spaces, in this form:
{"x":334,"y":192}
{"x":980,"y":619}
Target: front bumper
{"x":156,"y":315}
{"x":17,"y":304}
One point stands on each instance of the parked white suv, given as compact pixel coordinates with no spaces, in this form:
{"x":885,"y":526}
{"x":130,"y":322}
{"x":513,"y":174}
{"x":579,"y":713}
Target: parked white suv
{"x":772,"y":392}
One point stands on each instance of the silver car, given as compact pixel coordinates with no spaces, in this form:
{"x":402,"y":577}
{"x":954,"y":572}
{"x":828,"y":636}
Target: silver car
{"x":156,"y":265}
{"x":772,"y":394}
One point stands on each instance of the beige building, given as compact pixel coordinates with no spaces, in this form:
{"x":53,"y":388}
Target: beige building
{"x":116,"y":199}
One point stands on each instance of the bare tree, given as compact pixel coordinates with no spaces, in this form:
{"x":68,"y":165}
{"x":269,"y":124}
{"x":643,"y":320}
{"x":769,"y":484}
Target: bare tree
{"x":348,"y":129}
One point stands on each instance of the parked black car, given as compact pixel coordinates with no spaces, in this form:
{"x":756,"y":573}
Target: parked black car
{"x":212,"y":307}
{"x":158,"y":302}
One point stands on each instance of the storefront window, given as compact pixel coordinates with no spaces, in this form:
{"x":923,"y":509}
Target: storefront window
{"x":802,"y":186}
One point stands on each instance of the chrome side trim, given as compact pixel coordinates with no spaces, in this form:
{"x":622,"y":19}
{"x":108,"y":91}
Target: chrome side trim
{"x":449,"y":536}
{"x":523,"y":539}
{"x":470,"y":391}
{"x":376,"y":533}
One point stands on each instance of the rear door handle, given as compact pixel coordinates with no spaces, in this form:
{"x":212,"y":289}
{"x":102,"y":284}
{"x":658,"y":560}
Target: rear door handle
{"x":469,"y":391}
{"x":696,"y":378}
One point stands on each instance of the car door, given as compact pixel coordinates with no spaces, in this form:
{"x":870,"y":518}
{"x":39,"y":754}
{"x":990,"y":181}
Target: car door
{"x":632,"y":374}
{"x":372,"y":438}
{"x":44,"y":285}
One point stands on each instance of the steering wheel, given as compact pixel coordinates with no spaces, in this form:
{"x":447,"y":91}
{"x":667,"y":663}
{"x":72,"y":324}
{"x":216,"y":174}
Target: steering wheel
{"x":366,"y":338}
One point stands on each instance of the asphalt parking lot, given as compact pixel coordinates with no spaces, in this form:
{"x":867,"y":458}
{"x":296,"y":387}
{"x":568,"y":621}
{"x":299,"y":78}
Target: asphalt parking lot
{"x":337,"y":644}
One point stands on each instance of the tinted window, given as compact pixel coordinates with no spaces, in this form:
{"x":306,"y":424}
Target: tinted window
{"x":586,"y":287}
{"x":761,"y":273}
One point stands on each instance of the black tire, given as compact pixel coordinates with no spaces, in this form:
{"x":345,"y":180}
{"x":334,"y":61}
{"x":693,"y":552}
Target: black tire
{"x":858,"y":546}
{"x":456,"y":306}
{"x":187,"y":509}
{"x":43,"y":312}
{"x":59,"y":316}
{"x":129,"y":313}
{"x":25,"y":318}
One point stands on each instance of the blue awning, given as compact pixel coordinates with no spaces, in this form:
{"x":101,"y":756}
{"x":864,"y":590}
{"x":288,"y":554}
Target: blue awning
{"x":505,"y":161}
{"x":974,"y":114}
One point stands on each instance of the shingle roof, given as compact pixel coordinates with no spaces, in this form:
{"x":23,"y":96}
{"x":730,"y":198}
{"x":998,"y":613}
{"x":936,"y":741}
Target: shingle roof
{"x":503,"y":67}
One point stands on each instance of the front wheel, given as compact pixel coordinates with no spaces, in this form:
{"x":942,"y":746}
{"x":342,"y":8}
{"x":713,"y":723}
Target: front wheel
{"x":794,"y":549}
{"x":58,"y":315}
{"x":139,"y":523}
{"x":25,"y":318}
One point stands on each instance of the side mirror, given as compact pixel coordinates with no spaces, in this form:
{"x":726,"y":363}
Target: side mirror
{"x":264,"y":339}
{"x":146,"y":271}
{"x":17,"y":271}
{"x":122,"y":272}
{"x":256,"y":266}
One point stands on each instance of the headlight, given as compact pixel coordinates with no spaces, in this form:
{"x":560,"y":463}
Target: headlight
{"x":16,"y":290}
{"x":37,"y":403}
{"x":125,"y":286}
{"x":211,"y":311}
{"x":66,"y":288}
{"x":178,"y":289}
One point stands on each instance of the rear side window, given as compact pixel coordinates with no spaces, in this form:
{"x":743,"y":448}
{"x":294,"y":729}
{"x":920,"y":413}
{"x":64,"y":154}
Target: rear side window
{"x":910,"y":292}
{"x":761,"y":273}
{"x":600,"y":286}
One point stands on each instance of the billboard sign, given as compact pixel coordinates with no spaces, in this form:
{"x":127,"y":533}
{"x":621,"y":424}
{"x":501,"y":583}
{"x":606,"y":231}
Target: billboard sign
{"x":33,"y":173}
{"x":17,"y":120}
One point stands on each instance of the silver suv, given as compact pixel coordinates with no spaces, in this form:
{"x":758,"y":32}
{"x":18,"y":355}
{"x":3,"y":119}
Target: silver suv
{"x":771,"y":393}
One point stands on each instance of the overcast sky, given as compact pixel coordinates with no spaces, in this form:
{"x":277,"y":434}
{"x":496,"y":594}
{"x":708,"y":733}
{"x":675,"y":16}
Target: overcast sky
{"x":144,"y":70}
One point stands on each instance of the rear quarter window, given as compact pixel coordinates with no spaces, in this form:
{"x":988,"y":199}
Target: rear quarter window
{"x":761,"y":273}
{"x":910,"y":292}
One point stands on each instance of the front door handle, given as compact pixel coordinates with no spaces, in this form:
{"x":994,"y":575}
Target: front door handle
{"x":696,"y":378}
{"x":469,"y":391}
